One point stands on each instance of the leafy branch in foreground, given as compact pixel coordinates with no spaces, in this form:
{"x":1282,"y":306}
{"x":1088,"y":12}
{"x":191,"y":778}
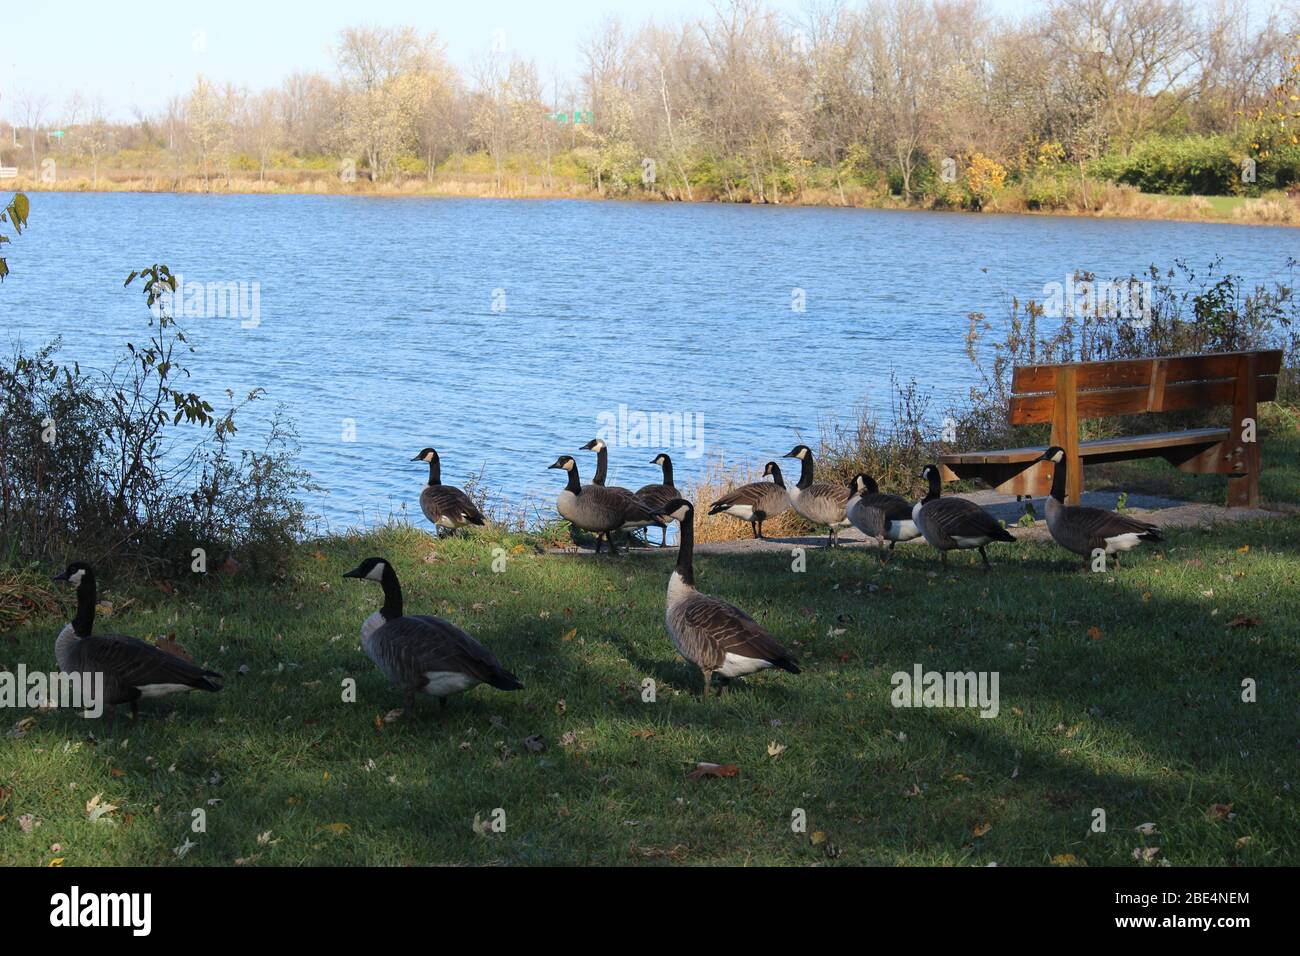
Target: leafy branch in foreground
{"x":16,"y":214}
{"x":107,"y":464}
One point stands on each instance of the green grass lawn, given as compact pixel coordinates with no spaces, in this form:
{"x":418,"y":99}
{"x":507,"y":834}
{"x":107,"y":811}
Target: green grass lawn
{"x":1119,"y":691}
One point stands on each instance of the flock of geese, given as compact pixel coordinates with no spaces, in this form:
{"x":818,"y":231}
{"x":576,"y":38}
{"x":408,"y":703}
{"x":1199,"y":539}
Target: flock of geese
{"x":429,"y":655}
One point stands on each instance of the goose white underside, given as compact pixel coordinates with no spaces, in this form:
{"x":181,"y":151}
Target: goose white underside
{"x":446,"y":683}
{"x":965,"y":542}
{"x":451,"y":522}
{"x":902,"y":531}
{"x":738,"y":666}
{"x":743,"y":512}
{"x":1123,"y":542}
{"x":161,"y":690}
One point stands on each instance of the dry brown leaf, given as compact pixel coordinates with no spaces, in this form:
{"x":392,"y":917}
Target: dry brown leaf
{"x":703,"y":770}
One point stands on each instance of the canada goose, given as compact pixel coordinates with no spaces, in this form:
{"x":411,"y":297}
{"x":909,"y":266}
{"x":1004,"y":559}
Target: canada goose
{"x":756,"y":501}
{"x":1086,"y":531}
{"x":597,"y":509}
{"x":444,"y":505}
{"x":955,"y":523}
{"x":880,"y":516}
{"x":655,"y":497}
{"x":820,"y":502}
{"x":715,"y":636}
{"x":420,"y":652}
{"x":131,"y":668}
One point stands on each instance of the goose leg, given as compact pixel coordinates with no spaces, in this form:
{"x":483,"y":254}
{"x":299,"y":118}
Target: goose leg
{"x":944,"y":557}
{"x":135,"y":710}
{"x":598,"y":537}
{"x":112,"y":718}
{"x":760,"y":528}
{"x":753,"y":528}
{"x":987,"y":566}
{"x":708,"y":679}
{"x":881,"y":552}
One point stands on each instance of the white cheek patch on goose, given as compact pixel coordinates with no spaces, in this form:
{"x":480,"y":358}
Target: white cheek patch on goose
{"x":376,"y":573}
{"x":75,"y":579}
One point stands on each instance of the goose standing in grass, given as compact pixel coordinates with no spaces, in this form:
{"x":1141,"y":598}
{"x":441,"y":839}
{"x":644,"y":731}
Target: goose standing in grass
{"x":420,"y":653}
{"x":1085,"y":531}
{"x":656,"y":496}
{"x":597,"y":509}
{"x":880,"y":516}
{"x":446,"y":506}
{"x":715,"y":636}
{"x":756,"y":501}
{"x":951,"y":524}
{"x":819,"y":502}
{"x":131,"y":668}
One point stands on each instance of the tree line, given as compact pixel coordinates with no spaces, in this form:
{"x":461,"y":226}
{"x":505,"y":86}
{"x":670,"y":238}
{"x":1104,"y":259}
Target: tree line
{"x":750,"y":103}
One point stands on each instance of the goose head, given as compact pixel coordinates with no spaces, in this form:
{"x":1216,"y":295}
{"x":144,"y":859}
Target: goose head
{"x":661,"y":459}
{"x":770,"y":469}
{"x":863,"y":485}
{"x":428,"y":455}
{"x":679,"y":509}
{"x":565,"y":462}
{"x":930,"y":473}
{"x":802,"y":452}
{"x":1054,"y":454}
{"x":596,"y":444}
{"x":371,"y":569}
{"x":74,"y":573}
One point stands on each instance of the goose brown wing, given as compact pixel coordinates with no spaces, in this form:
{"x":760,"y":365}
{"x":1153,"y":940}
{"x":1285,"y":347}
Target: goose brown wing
{"x":725,"y":629}
{"x":656,"y":496}
{"x":134,"y":663}
{"x":437,"y":501}
{"x":412,"y":646}
{"x":1098,"y":524}
{"x":959,"y":518}
{"x":751,"y":494}
{"x":894,"y":507}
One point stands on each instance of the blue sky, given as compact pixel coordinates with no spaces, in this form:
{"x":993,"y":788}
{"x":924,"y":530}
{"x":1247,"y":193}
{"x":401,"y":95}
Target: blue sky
{"x":137,"y":53}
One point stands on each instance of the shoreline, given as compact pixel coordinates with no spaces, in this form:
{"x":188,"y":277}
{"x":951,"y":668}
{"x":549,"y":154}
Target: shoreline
{"x":451,"y":188}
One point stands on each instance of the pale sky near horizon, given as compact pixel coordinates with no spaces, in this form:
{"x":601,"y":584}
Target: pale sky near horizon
{"x":135,"y":54}
{"x":138,"y":53}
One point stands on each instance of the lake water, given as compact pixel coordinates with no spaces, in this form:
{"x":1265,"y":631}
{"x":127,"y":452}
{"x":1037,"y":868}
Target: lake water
{"x":501,"y":331}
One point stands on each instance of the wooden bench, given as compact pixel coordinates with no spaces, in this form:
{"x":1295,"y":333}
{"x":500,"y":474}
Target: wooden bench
{"x":1064,"y":395}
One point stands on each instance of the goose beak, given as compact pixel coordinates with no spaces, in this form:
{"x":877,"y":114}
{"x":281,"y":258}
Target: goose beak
{"x":62,"y":576}
{"x":558,"y":464}
{"x":417,"y":458}
{"x":354,"y":573}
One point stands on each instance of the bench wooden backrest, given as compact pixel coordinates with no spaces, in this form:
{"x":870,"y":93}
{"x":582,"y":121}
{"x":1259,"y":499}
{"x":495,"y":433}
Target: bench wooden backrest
{"x":1133,"y":386}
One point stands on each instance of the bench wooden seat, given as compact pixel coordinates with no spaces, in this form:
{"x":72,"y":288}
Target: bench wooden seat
{"x":1064,"y":394}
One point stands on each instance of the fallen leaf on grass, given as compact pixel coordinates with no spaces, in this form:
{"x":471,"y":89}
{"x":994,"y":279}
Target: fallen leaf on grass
{"x":703,"y":770}
{"x":674,"y":853}
{"x":817,"y":838}
{"x":27,"y":823}
{"x":1145,"y":854}
{"x":643,"y":734}
{"x":981,"y":829}
{"x":57,"y":861}
{"x":1067,"y":859}
{"x":1094,"y":633}
{"x":97,"y":811}
{"x":775,"y":750}
{"x":1220,"y":811}
{"x":338,"y":829}
{"x":1243,"y":621}
{"x":183,"y":850}
{"x":1147,"y":829}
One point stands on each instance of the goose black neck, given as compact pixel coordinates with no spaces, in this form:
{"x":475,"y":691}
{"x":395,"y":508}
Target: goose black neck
{"x":934,"y":491}
{"x":870,"y":485}
{"x":668,"y":471}
{"x":435,"y":472}
{"x":1058,"y":481}
{"x":392,"y":594}
{"x":686,"y":548}
{"x":602,"y":463}
{"x":806,"y":473}
{"x":575,"y":483}
{"x":84,"y":622}
{"x":777,"y":478}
